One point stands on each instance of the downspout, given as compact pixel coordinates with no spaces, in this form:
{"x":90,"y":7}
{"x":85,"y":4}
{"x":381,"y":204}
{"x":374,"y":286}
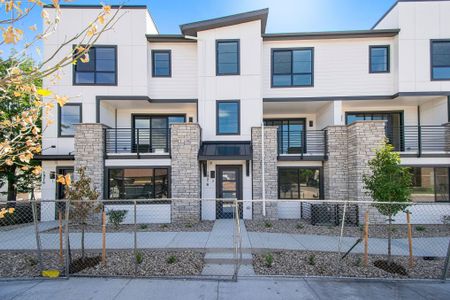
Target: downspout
{"x":263,"y":177}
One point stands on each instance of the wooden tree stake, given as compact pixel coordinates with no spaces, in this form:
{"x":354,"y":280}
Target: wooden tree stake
{"x":366,"y":238}
{"x":408,"y":220}
{"x":104,"y":237}
{"x":61,"y":259}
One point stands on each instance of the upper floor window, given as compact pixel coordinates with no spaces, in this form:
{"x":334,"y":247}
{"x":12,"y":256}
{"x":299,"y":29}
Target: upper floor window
{"x":68,"y":115}
{"x":379,"y":59}
{"x":101,"y":69}
{"x":440,"y":60}
{"x":161,"y":63}
{"x":228,"y":118}
{"x":292,"y":67}
{"x":227,"y":57}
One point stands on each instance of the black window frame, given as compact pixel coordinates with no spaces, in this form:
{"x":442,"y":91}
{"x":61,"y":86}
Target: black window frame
{"x":116,"y":72}
{"x":280,"y":130}
{"x":80,"y":105}
{"x":155,"y":51}
{"x":273,"y":50}
{"x":126,"y":201}
{"x":433,"y":41}
{"x":238,"y":71}
{"x":321,"y":182}
{"x":388,"y":58}
{"x":434,"y":167}
{"x":238,"y":102}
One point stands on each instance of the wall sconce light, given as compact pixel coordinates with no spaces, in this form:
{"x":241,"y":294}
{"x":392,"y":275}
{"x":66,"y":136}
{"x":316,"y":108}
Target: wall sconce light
{"x":52,"y":174}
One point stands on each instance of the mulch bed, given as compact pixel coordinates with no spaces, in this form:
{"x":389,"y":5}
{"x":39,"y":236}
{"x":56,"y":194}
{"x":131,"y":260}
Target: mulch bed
{"x":308,"y":263}
{"x":203,"y":226}
{"x":375,"y":231}
{"x":119,"y":263}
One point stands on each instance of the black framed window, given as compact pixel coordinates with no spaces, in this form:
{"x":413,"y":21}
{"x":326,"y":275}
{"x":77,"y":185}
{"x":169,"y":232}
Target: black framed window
{"x":440,"y":60}
{"x":291,"y":135}
{"x":161,"y":63}
{"x":394,"y":124}
{"x":227,"y":57}
{"x":299,"y":183}
{"x":138,"y":183}
{"x":292,"y":67}
{"x":228,"y":118}
{"x":68,"y":115}
{"x":101,"y":69}
{"x":379,"y":59}
{"x":152,"y":132}
{"x":430,"y":184}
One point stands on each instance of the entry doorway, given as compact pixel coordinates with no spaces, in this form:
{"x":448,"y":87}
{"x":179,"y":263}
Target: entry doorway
{"x":228,"y":186}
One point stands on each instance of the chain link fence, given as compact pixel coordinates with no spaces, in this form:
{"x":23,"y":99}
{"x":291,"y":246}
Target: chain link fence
{"x":204,"y":238}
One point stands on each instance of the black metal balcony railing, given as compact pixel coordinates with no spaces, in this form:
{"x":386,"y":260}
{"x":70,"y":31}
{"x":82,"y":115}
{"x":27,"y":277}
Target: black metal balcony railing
{"x":139,"y":140}
{"x":302,"y":142}
{"x":431,"y":140}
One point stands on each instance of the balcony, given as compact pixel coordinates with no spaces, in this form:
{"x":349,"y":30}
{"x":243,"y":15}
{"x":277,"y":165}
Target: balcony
{"x":137,"y":142}
{"x":420,"y":141}
{"x":301,"y":144}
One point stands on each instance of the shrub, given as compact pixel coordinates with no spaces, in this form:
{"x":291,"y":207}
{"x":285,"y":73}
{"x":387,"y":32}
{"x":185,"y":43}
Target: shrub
{"x":300,"y":226}
{"x":268,"y":258}
{"x":188,"y":225}
{"x":116,"y":217}
{"x":420,"y":228}
{"x":172,"y":259}
{"x":267,"y":224}
{"x":144,"y":226}
{"x":139,"y":258}
{"x":312,"y":260}
{"x":163,"y":226}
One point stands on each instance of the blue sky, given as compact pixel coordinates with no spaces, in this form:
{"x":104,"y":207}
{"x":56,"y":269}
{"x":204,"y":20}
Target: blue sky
{"x":284,"y":15}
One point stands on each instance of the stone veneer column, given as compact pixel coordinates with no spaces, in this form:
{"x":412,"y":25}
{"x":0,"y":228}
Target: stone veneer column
{"x":89,"y":153}
{"x":185,"y":173}
{"x":270,"y":171}
{"x":335,"y":169}
{"x":364,"y":137}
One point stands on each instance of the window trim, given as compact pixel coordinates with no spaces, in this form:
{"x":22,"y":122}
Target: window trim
{"x":116,"y":75}
{"x":321,"y":183}
{"x":168,"y":51}
{"x":388,"y":63}
{"x":431,"y":59}
{"x":169,"y":182}
{"x":238,"y":102}
{"x":238,"y":71}
{"x":272,"y":50}
{"x":79,"y":104}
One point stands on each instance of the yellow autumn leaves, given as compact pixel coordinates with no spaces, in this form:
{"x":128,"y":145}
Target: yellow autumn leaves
{"x":5,"y":211}
{"x":64,"y":180}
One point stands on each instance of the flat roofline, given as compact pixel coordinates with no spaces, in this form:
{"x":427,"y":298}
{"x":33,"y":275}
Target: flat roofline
{"x":169,"y":38}
{"x":96,"y":6}
{"x":194,"y":27}
{"x":330,"y":35}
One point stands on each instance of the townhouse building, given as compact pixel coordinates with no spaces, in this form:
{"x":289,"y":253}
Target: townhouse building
{"x":226,"y":110}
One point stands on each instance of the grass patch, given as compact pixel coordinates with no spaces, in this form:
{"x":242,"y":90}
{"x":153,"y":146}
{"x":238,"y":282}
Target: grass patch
{"x":268,"y":260}
{"x":171,"y":259}
{"x":268,"y":224}
{"x":139,"y":257}
{"x":312,"y":260}
{"x":420,"y":228}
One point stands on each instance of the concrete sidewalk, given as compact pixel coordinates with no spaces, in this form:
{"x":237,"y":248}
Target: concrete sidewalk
{"x":261,"y":289}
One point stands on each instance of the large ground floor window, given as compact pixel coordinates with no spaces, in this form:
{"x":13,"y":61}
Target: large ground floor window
{"x":299,"y":183}
{"x":134,"y":183}
{"x":430,"y":184}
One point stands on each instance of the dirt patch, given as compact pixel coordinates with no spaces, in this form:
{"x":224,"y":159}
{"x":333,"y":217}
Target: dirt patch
{"x":390,"y":267}
{"x":308,"y":263}
{"x":80,"y":264}
{"x":375,"y":231}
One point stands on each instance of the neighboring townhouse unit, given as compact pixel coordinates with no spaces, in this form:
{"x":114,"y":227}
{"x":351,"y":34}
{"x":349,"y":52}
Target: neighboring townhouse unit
{"x":226,"y":110}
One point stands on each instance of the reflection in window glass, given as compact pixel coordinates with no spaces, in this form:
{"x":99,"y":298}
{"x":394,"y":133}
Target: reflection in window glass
{"x":430,"y":185}
{"x":228,"y":117}
{"x":292,"y":67}
{"x":70,"y":115}
{"x":440,"y":60}
{"x":379,"y":59}
{"x":161,"y":63}
{"x":299,"y":183}
{"x":100,"y":69}
{"x":227,"y":57}
{"x":138,"y":183}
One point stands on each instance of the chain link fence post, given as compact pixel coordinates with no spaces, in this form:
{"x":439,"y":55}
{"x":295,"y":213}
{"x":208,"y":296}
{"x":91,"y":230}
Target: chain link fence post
{"x":36,"y":231}
{"x":66,"y":234}
{"x":446,"y":263}
{"x":135,"y":241}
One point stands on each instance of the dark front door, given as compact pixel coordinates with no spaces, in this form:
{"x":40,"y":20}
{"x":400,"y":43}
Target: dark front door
{"x":228,"y":186}
{"x":61,"y":189}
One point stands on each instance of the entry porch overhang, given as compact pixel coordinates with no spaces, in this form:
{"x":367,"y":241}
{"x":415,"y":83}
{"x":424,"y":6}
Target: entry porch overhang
{"x":225,"y":150}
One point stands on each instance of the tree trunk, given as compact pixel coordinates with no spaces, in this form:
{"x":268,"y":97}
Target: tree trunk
{"x":12,"y":191}
{"x":389,"y":238}
{"x":82,"y":241}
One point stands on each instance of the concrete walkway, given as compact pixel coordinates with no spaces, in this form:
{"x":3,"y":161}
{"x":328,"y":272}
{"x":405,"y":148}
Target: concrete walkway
{"x":221,"y":238}
{"x":261,"y":289}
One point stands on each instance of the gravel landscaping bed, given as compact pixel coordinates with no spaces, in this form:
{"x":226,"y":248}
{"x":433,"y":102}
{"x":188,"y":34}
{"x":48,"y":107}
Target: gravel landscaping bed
{"x":307,"y":263}
{"x":15,"y":226}
{"x":204,"y":226}
{"x":152,"y":263}
{"x":375,"y":231}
